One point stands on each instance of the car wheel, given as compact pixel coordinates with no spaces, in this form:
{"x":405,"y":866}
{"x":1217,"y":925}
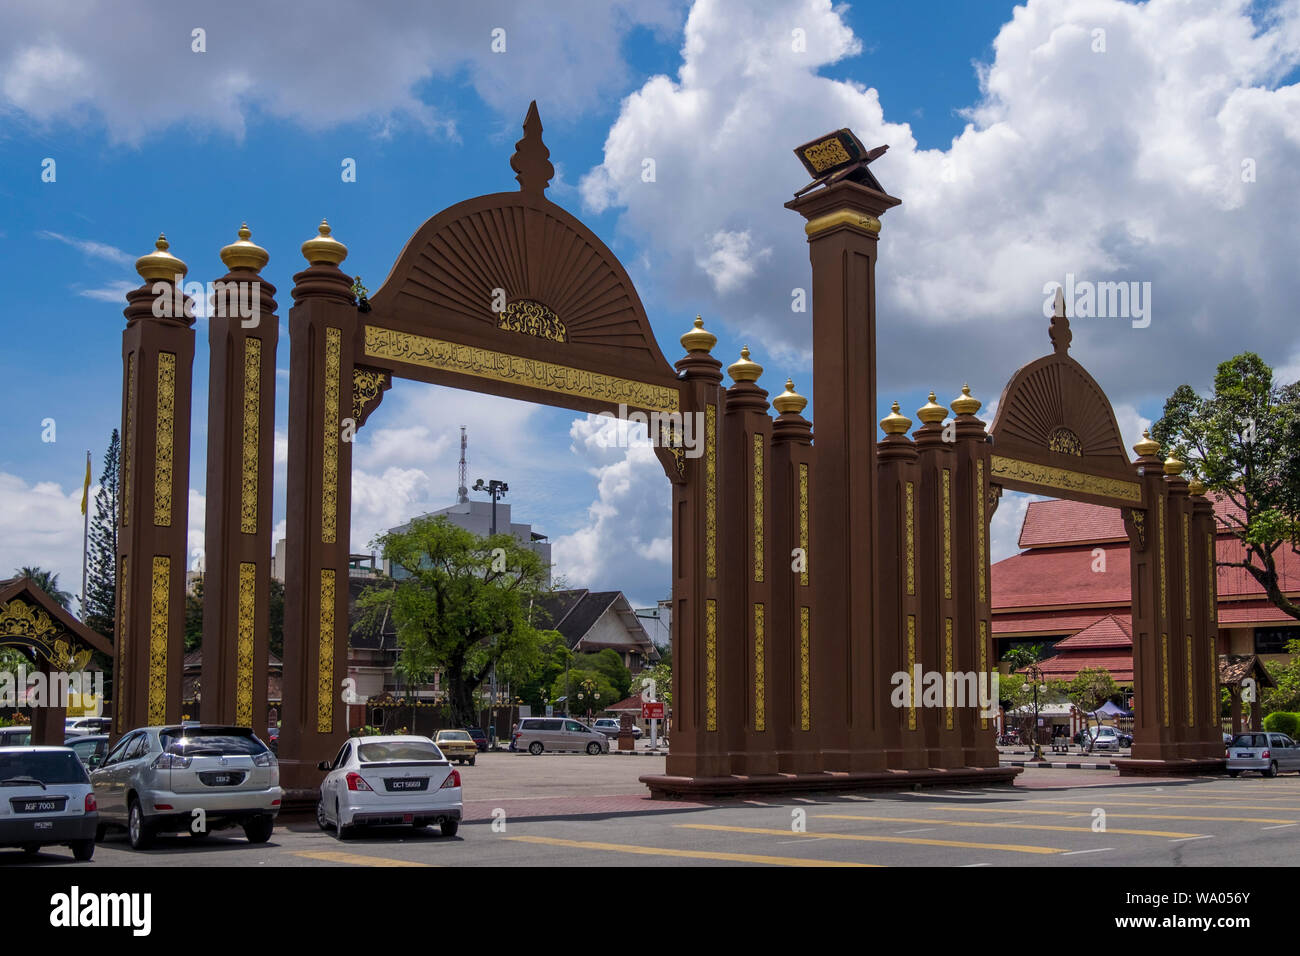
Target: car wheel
{"x":449,"y":827}
{"x":259,"y":830}
{"x":138,"y":830}
{"x":1272,"y":770}
{"x":1234,"y":773}
{"x":593,"y":748}
{"x":321,"y":822}
{"x":535,"y":747}
{"x":471,"y":761}
{"x":83,"y":850}
{"x":340,"y":831}
{"x":100,"y":831}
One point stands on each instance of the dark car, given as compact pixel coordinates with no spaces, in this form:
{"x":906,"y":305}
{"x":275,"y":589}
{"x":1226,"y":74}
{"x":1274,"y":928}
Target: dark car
{"x":480,"y":738}
{"x":47,"y":801}
{"x":89,"y":748}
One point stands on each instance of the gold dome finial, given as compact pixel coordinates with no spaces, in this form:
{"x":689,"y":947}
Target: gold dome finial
{"x":324,"y":249}
{"x":698,"y":339}
{"x":895,"y":423}
{"x":966,"y":403}
{"x":160,"y":264}
{"x":1148,"y":447}
{"x":931,"y":412}
{"x":743,"y":370}
{"x":790,"y":402}
{"x":1196,"y":487}
{"x":244,"y":253}
{"x":1173,"y":466}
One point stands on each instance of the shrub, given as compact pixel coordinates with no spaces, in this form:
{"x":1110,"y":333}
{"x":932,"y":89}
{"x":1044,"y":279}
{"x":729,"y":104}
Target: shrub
{"x":1281,"y":722}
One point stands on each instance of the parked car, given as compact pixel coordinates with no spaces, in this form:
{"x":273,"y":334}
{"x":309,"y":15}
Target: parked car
{"x":81,"y":726}
{"x":609,"y":726}
{"x":90,"y":749}
{"x":456,"y":745}
{"x":1269,"y":753}
{"x":47,"y":800}
{"x":273,"y":739}
{"x":15,"y":736}
{"x":1103,"y":738}
{"x":156,"y":777}
{"x":536,"y":734}
{"x":479,"y":736}
{"x":389,"y":781}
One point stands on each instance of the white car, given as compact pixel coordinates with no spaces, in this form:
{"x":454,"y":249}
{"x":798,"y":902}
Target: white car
{"x":47,"y":800}
{"x":84,"y":726}
{"x":1104,"y":738}
{"x":389,"y":781}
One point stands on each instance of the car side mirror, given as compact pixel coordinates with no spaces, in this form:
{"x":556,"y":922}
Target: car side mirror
{"x":324,"y":765}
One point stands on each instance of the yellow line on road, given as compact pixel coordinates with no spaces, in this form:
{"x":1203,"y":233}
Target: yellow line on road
{"x":357,"y":859}
{"x":1009,"y":826}
{"x":688,"y":854}
{"x":914,"y":841}
{"x":1100,"y":800}
{"x":1132,"y":816}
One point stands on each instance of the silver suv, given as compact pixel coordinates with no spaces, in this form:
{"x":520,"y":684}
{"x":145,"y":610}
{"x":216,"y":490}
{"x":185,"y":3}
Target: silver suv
{"x":536,"y":734}
{"x":192,"y":778}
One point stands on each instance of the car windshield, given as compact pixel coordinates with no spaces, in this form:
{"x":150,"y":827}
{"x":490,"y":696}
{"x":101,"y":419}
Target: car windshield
{"x":43,"y":766}
{"x":1249,"y":740}
{"x":211,"y":741}
{"x":392,"y":750}
{"x":454,"y":735}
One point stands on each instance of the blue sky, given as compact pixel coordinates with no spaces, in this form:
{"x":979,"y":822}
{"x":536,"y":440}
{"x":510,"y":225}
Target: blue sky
{"x":1050,"y":175}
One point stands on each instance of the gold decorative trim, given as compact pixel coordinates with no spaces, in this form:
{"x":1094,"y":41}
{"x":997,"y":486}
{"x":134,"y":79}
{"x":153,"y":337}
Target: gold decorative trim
{"x":244,"y":643}
{"x":758,"y":508}
{"x":823,"y":155}
{"x":1065,"y":442}
{"x":911,"y":671}
{"x":121,"y":660}
{"x":128,"y":434}
{"x":710,"y":664}
{"x":984,"y":661}
{"x":1139,"y":519}
{"x":1187,"y":565}
{"x":1212,"y":577}
{"x":805,"y":704}
{"x":516,"y":369}
{"x":325,"y":658}
{"x":803,"y":521}
{"x":164,"y":439}
{"x":252,"y":426}
{"x":947,"y":669}
{"x":329,"y":498}
{"x":910,"y":542}
{"x":981,"y":529}
{"x":760,"y":668}
{"x":711,"y":491}
{"x":367,"y":384}
{"x":1046,"y":476}
{"x":159,"y":613}
{"x":1191,"y":686}
{"x":844,"y":217}
{"x":532,"y":318}
{"x":1164,"y":677}
{"x":947,"y":534}
{"x":1160,"y":543}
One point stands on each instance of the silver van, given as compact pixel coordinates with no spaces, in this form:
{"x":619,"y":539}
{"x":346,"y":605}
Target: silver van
{"x":536,"y":734}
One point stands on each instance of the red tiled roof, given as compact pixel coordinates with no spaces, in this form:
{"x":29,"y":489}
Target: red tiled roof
{"x":1253,"y":612}
{"x":1046,"y":622}
{"x":1057,"y":522}
{"x":1046,"y":577}
{"x":1067,"y":666}
{"x":1109,"y":632}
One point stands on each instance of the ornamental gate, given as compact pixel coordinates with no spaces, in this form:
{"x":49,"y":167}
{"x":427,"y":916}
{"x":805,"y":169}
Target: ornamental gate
{"x":804,"y":575}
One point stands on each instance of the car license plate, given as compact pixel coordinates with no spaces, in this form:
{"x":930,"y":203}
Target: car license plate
{"x":407,"y":783}
{"x":1247,"y":755}
{"x":38,"y":806}
{"x":44,"y":825}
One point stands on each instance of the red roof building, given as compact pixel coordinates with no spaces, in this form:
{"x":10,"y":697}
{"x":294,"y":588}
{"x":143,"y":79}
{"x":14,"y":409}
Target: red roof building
{"x":1069,"y":588}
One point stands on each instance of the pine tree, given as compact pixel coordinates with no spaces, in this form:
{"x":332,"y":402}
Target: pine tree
{"x":101,"y":584}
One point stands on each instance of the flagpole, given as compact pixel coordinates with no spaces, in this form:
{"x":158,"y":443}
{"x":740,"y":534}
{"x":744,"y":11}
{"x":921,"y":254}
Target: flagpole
{"x":85,"y":535}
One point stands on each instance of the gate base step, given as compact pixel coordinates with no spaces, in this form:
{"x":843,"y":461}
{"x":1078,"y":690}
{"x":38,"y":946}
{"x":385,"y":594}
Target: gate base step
{"x":1184,"y":767}
{"x":664,"y":787}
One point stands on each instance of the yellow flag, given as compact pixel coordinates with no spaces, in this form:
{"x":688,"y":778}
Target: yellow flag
{"x":85,"y":490}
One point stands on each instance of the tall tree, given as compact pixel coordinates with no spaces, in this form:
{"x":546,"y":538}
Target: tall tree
{"x":48,"y":582}
{"x":460,"y":605}
{"x":1243,"y":442}
{"x":101,"y":585}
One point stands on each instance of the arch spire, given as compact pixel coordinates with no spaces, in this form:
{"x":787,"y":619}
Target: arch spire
{"x":532,"y":160}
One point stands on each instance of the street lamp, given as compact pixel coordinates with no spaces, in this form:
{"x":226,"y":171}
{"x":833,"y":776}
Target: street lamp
{"x":589,"y":694}
{"x":1036,"y":676}
{"x":496,"y":489}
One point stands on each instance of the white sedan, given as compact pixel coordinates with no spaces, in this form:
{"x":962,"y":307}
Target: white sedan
{"x":389,"y":781}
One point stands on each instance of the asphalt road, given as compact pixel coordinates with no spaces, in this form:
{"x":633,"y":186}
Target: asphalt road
{"x":578,"y":811}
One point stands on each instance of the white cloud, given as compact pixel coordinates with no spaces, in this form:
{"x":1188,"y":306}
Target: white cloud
{"x":1004,"y":528}
{"x":114,"y":292}
{"x":41,"y":526}
{"x":91,"y":247}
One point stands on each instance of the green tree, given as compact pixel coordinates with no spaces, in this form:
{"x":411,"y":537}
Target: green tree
{"x":589,"y":692}
{"x":194,"y":616}
{"x":1243,"y":442}
{"x":662,"y":674}
{"x":460,"y":605}
{"x":1286,"y":695}
{"x":1091,"y":688}
{"x":100,"y":613}
{"x":535,"y":688}
{"x":48,"y":582}
{"x":610,"y":664}
{"x":275,"y":615}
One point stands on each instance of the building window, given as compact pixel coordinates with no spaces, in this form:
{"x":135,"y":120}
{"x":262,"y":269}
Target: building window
{"x":1273,"y":640}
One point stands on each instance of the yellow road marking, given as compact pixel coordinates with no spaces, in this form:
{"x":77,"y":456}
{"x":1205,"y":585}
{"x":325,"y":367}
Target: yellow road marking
{"x":1133,"y":816}
{"x":1011,"y":826}
{"x":1171,"y":806}
{"x":357,"y":859}
{"x":915,"y":841}
{"x":690,"y":854}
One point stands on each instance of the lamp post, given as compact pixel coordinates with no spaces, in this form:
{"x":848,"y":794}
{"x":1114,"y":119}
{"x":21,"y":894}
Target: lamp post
{"x":589,"y":694}
{"x":1036,"y":677}
{"x":497,"y":490}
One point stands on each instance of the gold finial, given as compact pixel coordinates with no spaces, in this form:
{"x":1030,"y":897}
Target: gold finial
{"x":1196,"y":487}
{"x":160,"y":264}
{"x":895,"y":423}
{"x":1148,"y":447}
{"x":244,"y":253}
{"x":790,"y":402}
{"x":931,"y":412}
{"x":966,"y":403}
{"x":1173,"y":466}
{"x":743,"y":370}
{"x":324,"y":249}
{"x":699,"y":339}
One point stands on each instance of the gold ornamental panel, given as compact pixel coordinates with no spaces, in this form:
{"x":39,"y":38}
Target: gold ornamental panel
{"x":164,"y":440}
{"x":984,"y":661}
{"x":803,"y":521}
{"x":711,"y":664}
{"x":711,"y":491}
{"x":981,"y":529}
{"x":947,"y":534}
{"x":1164,"y":577}
{"x":760,"y":682}
{"x":244,"y":644}
{"x":910,"y":542}
{"x":913,"y":690}
{"x":758,"y":508}
{"x":532,"y":318}
{"x":1211,"y":574}
{"x":367,"y":383}
{"x":1164,"y":678}
{"x":1191,"y":685}
{"x":325,"y":658}
{"x":329,"y":498}
{"x":829,"y":152}
{"x":947,"y":668}
{"x":159,"y":611}
{"x":1062,"y":479}
{"x":516,"y":369}
{"x":128,"y":438}
{"x":252,"y":426}
{"x":1187,"y":566}
{"x":805,"y":640}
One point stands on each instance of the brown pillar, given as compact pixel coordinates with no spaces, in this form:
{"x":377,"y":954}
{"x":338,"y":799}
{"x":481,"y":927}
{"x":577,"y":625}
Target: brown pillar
{"x":793,"y":590}
{"x":158,"y":359}
{"x":323,"y":327}
{"x":1149,"y":582}
{"x":842,"y":228}
{"x":241,"y":451}
{"x":1204,"y":630}
{"x":898,"y":651}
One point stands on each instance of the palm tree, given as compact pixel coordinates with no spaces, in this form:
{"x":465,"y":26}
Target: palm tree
{"x":47,"y":581}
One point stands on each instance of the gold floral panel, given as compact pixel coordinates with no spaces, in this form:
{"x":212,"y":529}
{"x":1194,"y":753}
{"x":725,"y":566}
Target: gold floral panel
{"x":805,"y":640}
{"x":244,"y":644}
{"x":984,"y":661}
{"x":532,"y":318}
{"x":329,"y":499}
{"x":252,"y":426}
{"x":1061,"y":479}
{"x":128,"y":437}
{"x":803,"y":522}
{"x":947,"y":534}
{"x":164,"y":440}
{"x":1164,"y":678}
{"x":1065,"y":442}
{"x":910,"y":533}
{"x":121,"y":660}
{"x":711,"y":664}
{"x":1187,"y":565}
{"x":1191,"y":685}
{"x":758,"y":508}
{"x":325,"y":655}
{"x":981,"y":529}
{"x":516,"y":369}
{"x":159,"y":612}
{"x":913,"y":691}
{"x":1160,"y":543}
{"x":947,"y":667}
{"x":1211,"y":574}
{"x":711,"y":491}
{"x":760,"y":669}
{"x":367,"y":384}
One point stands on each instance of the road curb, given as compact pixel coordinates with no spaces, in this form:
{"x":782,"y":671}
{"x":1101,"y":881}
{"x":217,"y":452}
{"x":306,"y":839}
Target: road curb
{"x":1049,"y":765}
